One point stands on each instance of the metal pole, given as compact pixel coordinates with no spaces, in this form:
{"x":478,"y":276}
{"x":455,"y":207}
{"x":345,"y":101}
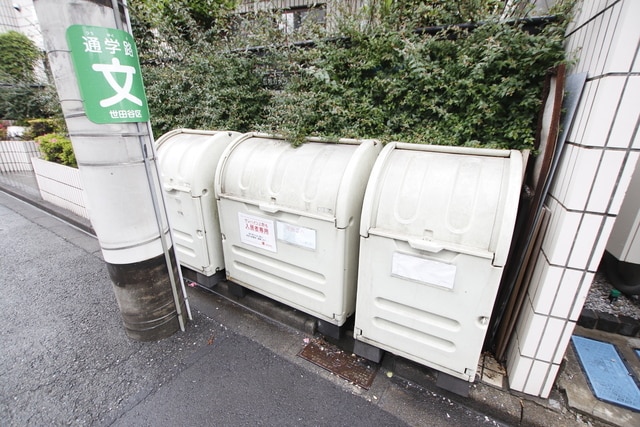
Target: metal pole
{"x":114,"y":160}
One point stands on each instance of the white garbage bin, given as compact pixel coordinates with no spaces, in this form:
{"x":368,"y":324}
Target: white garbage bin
{"x":436,"y":229}
{"x":290,"y":220}
{"x":622,"y":259}
{"x":187,"y":161}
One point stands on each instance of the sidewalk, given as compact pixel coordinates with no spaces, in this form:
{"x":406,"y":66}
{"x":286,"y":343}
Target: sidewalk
{"x":64,"y":353}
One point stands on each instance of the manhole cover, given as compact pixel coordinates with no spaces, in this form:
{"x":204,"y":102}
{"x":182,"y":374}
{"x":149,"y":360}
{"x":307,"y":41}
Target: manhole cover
{"x":350,"y":367}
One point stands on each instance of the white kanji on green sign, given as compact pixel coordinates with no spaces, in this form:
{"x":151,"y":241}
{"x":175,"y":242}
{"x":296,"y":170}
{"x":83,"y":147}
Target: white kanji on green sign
{"x":108,"y":73}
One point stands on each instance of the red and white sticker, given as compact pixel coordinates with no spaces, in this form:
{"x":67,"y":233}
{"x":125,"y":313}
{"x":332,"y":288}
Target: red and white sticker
{"x":258,"y":232}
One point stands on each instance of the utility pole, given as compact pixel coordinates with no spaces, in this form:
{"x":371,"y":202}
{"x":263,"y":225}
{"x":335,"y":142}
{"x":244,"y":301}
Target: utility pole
{"x":97,"y":75}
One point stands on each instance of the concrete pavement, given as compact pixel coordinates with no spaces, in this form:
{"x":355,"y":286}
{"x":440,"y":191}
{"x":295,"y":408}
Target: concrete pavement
{"x":64,"y":357}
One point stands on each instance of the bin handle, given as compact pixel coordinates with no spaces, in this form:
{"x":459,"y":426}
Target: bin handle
{"x":268,"y":208}
{"x":425,"y":245}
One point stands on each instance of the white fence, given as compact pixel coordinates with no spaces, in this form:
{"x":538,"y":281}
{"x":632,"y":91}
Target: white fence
{"x":61,"y":185}
{"x":15,"y":156}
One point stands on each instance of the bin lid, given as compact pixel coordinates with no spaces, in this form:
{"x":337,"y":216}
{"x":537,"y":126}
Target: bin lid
{"x":309,"y":179}
{"x":435,"y":197}
{"x":187,"y":158}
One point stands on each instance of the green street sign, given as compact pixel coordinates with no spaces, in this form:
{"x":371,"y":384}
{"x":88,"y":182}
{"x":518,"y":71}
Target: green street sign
{"x":108,"y":73}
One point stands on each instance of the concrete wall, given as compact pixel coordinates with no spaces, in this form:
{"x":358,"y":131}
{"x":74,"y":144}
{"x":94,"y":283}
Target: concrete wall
{"x":597,"y":162}
{"x":61,"y":185}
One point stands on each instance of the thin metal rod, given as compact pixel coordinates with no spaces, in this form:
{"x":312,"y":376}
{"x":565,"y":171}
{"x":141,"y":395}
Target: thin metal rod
{"x":166,"y":213}
{"x":116,"y":14}
{"x":151,"y":178}
{"x":158,"y":215}
{"x":157,"y":174}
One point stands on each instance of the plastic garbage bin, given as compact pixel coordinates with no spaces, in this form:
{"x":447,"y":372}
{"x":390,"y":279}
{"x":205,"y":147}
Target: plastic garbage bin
{"x":622,"y":259}
{"x":187,"y":162}
{"x":289,"y":218}
{"x":436,"y":229}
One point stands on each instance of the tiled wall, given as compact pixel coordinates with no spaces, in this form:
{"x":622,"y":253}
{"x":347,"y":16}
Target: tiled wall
{"x":597,"y":162}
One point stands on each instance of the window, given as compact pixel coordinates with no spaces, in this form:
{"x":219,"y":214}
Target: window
{"x":292,"y":20}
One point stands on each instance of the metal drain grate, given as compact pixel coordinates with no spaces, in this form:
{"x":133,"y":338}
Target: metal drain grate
{"x":350,"y":367}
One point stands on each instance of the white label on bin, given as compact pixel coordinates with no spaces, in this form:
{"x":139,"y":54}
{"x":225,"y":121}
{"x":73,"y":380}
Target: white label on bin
{"x":258,"y":232}
{"x":296,"y":235}
{"x":423,"y":270}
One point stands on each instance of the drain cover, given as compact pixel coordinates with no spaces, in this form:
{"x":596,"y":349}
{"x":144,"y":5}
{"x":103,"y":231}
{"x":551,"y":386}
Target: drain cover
{"x":352,"y":368}
{"x":608,"y":376}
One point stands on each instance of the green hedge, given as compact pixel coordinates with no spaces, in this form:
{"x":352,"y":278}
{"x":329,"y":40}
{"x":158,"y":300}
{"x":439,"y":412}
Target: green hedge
{"x":465,"y":85}
{"x":56,"y":147}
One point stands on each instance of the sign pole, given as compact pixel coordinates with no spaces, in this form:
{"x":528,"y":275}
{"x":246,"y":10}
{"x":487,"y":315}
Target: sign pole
{"x":95,"y":66}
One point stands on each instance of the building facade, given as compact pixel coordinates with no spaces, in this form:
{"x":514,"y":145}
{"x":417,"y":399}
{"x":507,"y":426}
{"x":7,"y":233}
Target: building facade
{"x":596,"y":166}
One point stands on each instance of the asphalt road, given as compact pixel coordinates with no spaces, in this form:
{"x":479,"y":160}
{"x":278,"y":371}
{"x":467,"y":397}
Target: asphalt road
{"x":65,"y":359}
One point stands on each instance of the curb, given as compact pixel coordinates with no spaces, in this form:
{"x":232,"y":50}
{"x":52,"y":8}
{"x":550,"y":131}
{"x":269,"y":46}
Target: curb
{"x":60,"y":213}
{"x":606,"y":322}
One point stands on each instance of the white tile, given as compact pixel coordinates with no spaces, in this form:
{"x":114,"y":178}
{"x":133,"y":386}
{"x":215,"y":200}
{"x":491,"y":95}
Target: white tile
{"x":575,"y":23}
{"x":586,"y":10}
{"x":583,"y":110}
{"x":535,"y":280}
{"x":625,"y":41}
{"x":549,"y":381}
{"x":581,"y":296}
{"x":563,"y":343}
{"x":577,"y":175}
{"x":601,"y":243}
{"x":513,"y":352}
{"x":565,"y":295}
{"x":560,"y":234}
{"x":601,"y":116}
{"x":626,"y":120}
{"x":519,"y":371}
{"x":585,"y":241}
{"x":544,"y":286}
{"x":553,"y":332}
{"x":523,"y":322}
{"x":592,"y":47}
{"x":573,"y":48}
{"x":606,"y":180}
{"x":537,"y":376}
{"x":530,"y":338}
{"x":607,"y":32}
{"x":564,"y":171}
{"x":623,"y":184}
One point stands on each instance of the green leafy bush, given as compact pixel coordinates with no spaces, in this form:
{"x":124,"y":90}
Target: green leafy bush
{"x":39,"y":127}
{"x":21,"y":95}
{"x":374,"y":74}
{"x":458,"y":87}
{"x":56,"y":147}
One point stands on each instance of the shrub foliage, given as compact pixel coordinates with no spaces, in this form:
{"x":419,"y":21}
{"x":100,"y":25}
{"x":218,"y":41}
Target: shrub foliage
{"x":373,"y":74}
{"x":56,"y":147}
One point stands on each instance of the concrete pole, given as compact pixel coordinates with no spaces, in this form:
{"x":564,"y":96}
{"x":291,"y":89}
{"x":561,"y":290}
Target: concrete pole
{"x":117,"y":164}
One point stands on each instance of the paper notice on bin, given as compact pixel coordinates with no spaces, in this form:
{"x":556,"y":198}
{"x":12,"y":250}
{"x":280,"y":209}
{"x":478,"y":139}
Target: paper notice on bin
{"x":296,"y":235}
{"x":423,"y":270}
{"x":258,"y":232}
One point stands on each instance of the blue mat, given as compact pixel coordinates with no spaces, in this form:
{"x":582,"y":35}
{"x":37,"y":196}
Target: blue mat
{"x":610,"y":379}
